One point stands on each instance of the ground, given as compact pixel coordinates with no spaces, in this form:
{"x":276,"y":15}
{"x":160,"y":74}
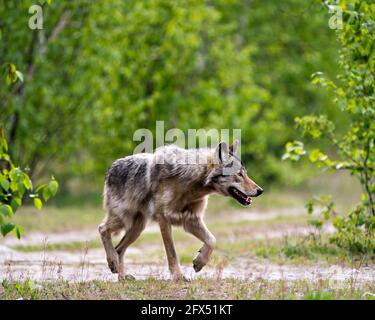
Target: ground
{"x":266,"y":251}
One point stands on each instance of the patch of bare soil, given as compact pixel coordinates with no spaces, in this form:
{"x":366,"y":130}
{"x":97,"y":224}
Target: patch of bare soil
{"x":90,"y":264}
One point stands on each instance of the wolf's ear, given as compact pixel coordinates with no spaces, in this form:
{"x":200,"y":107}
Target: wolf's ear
{"x":222,"y":152}
{"x":233,"y":146}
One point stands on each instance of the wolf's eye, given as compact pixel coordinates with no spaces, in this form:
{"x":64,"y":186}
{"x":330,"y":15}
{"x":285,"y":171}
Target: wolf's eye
{"x":241,"y":174}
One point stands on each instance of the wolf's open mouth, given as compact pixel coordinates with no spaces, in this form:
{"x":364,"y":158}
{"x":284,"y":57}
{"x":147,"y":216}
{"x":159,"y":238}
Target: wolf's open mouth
{"x":239,"y":196}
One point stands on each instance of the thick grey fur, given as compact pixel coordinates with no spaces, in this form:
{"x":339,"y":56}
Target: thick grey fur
{"x":171,"y":187}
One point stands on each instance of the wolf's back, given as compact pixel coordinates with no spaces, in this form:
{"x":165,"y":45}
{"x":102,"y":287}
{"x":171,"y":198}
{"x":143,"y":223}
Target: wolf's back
{"x":129,"y":177}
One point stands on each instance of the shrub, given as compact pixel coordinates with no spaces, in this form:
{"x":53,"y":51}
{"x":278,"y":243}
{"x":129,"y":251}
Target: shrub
{"x":354,"y":94}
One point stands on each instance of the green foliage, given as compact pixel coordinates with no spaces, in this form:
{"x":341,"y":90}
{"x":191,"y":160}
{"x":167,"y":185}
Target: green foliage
{"x":319,"y":295}
{"x":290,"y":39}
{"x":97,"y":72}
{"x":326,"y":210}
{"x":315,"y":126}
{"x":355,"y":232}
{"x":294,"y":151}
{"x":27,"y":290}
{"x":15,"y":184}
{"x":12,"y":74}
{"x":355,"y":96}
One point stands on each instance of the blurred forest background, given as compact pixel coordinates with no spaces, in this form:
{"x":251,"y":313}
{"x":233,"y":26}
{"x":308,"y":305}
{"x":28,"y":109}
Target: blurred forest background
{"x":73,"y":93}
{"x":96,"y":73}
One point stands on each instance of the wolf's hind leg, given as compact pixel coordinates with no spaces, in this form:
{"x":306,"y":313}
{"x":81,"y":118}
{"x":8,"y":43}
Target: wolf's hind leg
{"x":173,"y":264}
{"x":138,"y":225}
{"x":106,"y":229}
{"x":198,"y":228}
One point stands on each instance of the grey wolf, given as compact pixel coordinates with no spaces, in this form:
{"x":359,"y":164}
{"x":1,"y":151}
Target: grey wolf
{"x":169,"y":188}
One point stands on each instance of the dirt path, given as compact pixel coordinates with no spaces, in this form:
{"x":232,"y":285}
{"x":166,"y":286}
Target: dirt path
{"x":90,"y":264}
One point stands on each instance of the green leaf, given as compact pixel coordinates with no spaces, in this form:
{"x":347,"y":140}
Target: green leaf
{"x":14,"y":186}
{"x":53,"y":186}
{"x":40,"y":187}
{"x":326,"y":214}
{"x":46,"y":193}
{"x":6,"y":228}
{"x":27,"y":182}
{"x":15,"y":174}
{"x":11,"y":76}
{"x":316,"y":223}
{"x":317,"y":155}
{"x":19,"y":75}
{"x":6,"y":210}
{"x":18,"y":231}
{"x":5,"y":184}
{"x":38,"y":203}
{"x":15,"y":203}
{"x":21,"y":188}
{"x":310,"y":207}
{"x":3,"y":146}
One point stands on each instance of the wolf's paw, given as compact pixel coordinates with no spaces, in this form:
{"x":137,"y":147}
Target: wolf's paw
{"x":180,"y":278}
{"x":199,"y":263}
{"x":124,"y":277}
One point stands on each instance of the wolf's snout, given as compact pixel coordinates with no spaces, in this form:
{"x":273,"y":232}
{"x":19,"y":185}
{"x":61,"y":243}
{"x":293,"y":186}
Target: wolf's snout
{"x":259,"y":192}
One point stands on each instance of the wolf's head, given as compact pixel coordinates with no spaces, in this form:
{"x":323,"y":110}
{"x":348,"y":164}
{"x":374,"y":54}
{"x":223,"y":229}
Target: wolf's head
{"x":228,"y":176}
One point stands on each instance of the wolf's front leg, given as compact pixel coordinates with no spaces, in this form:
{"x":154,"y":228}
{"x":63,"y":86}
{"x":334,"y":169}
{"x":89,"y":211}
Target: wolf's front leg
{"x":198,"y":228}
{"x":174,"y":266}
{"x":112,"y":256}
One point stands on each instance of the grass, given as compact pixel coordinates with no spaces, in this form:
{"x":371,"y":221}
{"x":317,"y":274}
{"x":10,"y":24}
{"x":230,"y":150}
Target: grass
{"x":235,"y":239}
{"x":305,"y":251}
{"x":54,"y":219}
{"x":252,"y":241}
{"x":212,"y":288}
{"x":59,"y":246}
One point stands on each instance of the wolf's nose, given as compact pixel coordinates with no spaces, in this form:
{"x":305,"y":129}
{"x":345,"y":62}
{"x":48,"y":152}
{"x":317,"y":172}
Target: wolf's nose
{"x":259,"y":191}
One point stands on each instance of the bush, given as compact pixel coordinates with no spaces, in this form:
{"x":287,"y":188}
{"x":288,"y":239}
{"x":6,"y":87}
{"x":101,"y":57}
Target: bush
{"x":354,"y":95}
{"x":15,"y":184}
